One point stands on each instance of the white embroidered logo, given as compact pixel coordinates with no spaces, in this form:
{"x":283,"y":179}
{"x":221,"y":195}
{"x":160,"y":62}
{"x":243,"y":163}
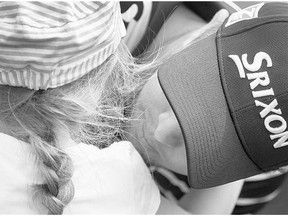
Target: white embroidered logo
{"x":269,"y":113}
{"x":245,"y":14}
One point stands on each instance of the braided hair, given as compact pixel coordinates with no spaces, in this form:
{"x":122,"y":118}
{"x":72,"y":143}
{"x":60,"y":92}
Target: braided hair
{"x":90,"y":110}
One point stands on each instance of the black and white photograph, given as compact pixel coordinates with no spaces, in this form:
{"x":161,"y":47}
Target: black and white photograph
{"x":143,"y":107}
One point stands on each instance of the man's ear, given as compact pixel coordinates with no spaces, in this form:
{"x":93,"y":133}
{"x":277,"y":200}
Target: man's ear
{"x":168,"y":130}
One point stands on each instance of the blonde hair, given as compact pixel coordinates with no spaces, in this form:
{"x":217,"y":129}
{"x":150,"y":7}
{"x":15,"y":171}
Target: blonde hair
{"x":90,"y":109}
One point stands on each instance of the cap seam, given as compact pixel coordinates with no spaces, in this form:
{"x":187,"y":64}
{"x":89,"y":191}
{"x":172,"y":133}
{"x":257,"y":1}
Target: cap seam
{"x":264,"y":100}
{"x":264,"y":22}
{"x":228,"y":99}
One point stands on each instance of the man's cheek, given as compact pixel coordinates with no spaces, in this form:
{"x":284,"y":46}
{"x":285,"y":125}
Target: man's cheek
{"x":179,"y":161}
{"x":168,"y":130}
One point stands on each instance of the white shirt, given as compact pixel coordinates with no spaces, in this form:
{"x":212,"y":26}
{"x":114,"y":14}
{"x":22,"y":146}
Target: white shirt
{"x":114,"y":180}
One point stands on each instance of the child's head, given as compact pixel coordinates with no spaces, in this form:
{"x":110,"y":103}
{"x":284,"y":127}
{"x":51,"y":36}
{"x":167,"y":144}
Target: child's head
{"x":63,"y":69}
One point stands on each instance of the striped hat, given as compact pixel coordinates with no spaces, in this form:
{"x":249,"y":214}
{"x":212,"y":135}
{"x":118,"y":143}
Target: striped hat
{"x":49,"y":44}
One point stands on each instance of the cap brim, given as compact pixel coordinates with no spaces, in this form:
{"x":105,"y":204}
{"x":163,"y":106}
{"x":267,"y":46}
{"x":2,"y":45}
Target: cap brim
{"x":191,"y":82}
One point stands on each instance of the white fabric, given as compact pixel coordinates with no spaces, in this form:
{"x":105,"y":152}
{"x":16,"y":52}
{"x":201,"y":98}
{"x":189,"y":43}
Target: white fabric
{"x":114,"y":180}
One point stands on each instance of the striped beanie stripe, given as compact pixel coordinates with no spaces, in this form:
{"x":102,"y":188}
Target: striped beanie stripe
{"x":49,"y":44}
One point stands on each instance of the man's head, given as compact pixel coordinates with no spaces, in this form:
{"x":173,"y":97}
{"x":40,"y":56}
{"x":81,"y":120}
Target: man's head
{"x":226,"y":96}
{"x":157,"y":135}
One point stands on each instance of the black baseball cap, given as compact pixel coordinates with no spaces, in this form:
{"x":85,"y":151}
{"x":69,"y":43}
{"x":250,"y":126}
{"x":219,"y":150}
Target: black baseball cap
{"x":229,"y":93}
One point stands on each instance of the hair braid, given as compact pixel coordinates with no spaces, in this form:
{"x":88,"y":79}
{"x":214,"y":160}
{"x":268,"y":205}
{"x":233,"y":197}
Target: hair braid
{"x":56,"y":167}
{"x":25,"y":117}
